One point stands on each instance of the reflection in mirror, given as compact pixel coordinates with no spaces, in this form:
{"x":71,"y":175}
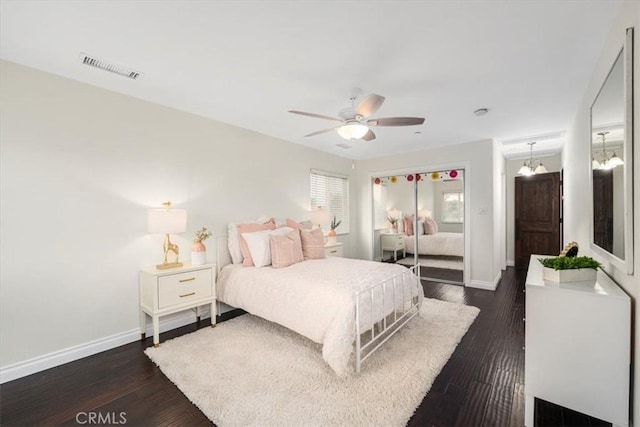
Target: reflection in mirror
{"x":611,"y":143}
{"x":419,"y":219}
{"x":607,"y":138}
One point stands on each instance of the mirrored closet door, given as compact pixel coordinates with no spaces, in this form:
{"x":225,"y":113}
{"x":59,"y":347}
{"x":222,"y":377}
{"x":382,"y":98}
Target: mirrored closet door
{"x":419,"y":219}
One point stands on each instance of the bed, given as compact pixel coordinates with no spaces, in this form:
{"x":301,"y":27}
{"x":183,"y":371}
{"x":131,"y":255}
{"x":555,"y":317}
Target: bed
{"x":337,"y":302}
{"x":440,"y":243}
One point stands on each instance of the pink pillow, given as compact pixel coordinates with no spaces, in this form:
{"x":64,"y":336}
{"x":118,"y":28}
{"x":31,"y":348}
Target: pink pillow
{"x":304,"y":225}
{"x":312,"y":244}
{"x":286,"y":250}
{"x":408,"y":225}
{"x":247,"y":261}
{"x":430,"y":226}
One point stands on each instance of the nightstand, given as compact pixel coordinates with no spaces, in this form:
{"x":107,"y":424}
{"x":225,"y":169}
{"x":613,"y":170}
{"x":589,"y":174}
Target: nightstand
{"x":392,"y":242}
{"x":164,"y":292}
{"x":334,"y":249}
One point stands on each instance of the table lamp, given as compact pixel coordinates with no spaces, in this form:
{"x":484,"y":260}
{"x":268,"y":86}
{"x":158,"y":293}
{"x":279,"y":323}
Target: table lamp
{"x":319,"y":216}
{"x":166,"y":221}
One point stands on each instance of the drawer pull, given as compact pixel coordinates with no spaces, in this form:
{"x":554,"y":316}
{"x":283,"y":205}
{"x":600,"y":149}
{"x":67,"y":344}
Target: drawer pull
{"x":187,"y":295}
{"x":187,"y":280}
{"x":334,"y":252}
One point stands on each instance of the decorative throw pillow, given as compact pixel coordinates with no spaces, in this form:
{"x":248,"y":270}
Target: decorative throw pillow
{"x":286,"y":250}
{"x":420,"y":229}
{"x":233,"y":238}
{"x":259,"y":244}
{"x":303,"y":225}
{"x":247,"y":261}
{"x":312,"y":244}
{"x":408,"y":225}
{"x":430,"y":226}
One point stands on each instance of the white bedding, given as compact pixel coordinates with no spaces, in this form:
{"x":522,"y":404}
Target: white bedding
{"x":442,"y":243}
{"x":314,"y":298}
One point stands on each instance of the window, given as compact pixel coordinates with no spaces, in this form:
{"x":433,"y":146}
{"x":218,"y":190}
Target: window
{"x":379,"y":206}
{"x":331,"y":192}
{"x":453,"y":208}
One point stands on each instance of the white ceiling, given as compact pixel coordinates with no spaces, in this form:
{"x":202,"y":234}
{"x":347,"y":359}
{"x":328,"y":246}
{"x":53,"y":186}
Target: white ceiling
{"x":247,"y":62}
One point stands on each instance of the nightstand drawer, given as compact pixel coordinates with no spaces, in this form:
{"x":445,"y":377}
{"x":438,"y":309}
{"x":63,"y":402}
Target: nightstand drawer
{"x":336,"y":250}
{"x":392,"y":242}
{"x":184,"y":287}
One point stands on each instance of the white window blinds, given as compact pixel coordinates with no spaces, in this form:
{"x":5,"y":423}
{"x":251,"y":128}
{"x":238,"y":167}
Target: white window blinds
{"x":331,"y":193}
{"x":453,"y":208}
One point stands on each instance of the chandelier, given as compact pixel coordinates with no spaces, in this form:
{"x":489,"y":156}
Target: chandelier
{"x":528,"y":168}
{"x":608,"y":159}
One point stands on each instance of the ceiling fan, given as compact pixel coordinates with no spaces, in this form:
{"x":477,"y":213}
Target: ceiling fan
{"x":355,"y":122}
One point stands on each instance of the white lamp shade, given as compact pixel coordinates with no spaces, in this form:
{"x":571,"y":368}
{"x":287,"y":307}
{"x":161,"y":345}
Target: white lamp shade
{"x":615,"y":161}
{"x":319,"y":216}
{"x":163,"y":221}
{"x":525,"y":170}
{"x":353,"y":131}
{"x":541,"y":169}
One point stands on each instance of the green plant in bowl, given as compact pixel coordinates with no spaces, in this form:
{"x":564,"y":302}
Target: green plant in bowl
{"x":570,"y":263}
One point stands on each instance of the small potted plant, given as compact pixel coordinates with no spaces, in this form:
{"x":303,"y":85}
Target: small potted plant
{"x":199,"y":250}
{"x":331,"y":235}
{"x":563,"y":269}
{"x":393,"y":221}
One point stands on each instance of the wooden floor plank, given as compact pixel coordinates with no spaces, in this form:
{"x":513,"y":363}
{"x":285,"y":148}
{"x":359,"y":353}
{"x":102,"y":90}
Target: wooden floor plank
{"x":481,"y":384}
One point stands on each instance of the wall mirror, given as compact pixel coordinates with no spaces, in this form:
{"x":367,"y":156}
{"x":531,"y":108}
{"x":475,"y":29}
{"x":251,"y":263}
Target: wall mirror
{"x":611,"y":163}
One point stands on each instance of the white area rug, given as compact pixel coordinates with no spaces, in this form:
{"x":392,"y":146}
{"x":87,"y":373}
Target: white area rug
{"x":250,"y":372}
{"x":453,"y":263}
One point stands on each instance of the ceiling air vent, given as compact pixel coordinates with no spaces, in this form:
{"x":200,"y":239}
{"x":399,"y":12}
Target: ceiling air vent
{"x":345,"y":146}
{"x":104,"y":65}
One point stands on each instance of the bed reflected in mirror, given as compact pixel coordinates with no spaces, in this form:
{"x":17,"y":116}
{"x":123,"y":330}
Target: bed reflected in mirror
{"x":419,"y":219}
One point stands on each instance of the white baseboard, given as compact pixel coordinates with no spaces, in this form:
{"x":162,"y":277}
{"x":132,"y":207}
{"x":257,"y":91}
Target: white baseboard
{"x":511,"y":263}
{"x":60,"y":357}
{"x":489,"y":286}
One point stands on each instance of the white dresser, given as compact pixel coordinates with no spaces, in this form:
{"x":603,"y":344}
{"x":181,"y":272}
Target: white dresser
{"x":577,"y":346}
{"x":164,"y":292}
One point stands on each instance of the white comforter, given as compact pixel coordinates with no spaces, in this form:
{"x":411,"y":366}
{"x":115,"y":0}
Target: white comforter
{"x":450,"y":244}
{"x":315,"y":298}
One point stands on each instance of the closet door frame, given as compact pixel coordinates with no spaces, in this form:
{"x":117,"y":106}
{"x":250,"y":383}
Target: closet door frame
{"x":466,"y":166}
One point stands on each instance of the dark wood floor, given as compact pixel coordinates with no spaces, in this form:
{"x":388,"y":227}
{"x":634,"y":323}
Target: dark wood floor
{"x":481,"y":385}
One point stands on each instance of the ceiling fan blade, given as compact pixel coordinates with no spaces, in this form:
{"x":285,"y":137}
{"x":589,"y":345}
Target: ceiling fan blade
{"x":317,"y":116}
{"x":396,"y":121}
{"x":369,"y":105}
{"x":322,"y":131}
{"x":369,"y":136}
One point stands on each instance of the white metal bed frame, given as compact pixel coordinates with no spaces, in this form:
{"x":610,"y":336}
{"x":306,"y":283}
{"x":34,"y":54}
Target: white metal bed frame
{"x":381,"y":327}
{"x":403,"y":311}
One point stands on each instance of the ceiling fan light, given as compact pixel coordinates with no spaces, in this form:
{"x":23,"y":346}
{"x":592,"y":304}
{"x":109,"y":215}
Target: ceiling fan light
{"x":351,"y":131}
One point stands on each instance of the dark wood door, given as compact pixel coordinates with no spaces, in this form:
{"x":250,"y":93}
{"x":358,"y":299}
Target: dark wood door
{"x":537,"y":215}
{"x":603,"y":209}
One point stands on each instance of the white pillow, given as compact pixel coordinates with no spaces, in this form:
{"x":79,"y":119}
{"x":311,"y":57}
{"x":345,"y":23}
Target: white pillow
{"x":258,"y":243}
{"x":420,"y":230}
{"x":233,"y":241}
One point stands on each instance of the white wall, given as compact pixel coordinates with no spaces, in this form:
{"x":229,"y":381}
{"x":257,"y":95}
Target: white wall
{"x":553,"y":164}
{"x":577,"y":160}
{"x":479,"y":176}
{"x":79,"y":168}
